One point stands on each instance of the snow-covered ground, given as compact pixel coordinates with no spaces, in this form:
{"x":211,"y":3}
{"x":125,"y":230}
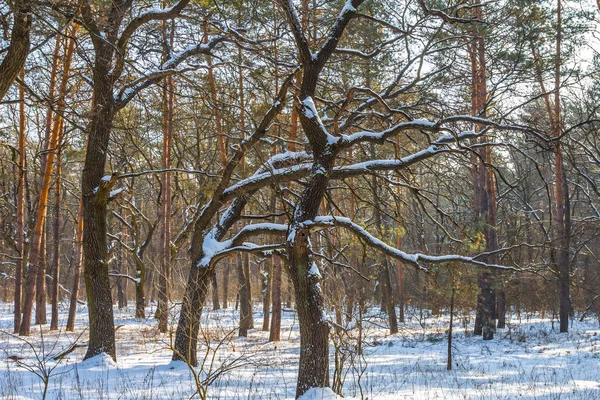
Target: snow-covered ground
{"x":528,"y":360}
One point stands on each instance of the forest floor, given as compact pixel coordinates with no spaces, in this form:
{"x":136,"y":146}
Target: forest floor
{"x":529,"y":359}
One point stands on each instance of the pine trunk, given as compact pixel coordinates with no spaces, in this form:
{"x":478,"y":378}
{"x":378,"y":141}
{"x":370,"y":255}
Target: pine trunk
{"x":78,"y":244}
{"x":56,"y":237}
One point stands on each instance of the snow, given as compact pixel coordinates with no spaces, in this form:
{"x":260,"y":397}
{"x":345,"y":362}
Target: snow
{"x":529,"y":359}
{"x":210,"y":247}
{"x":314,"y":271}
{"x":319,"y":394}
{"x":105,"y":178}
{"x":348,"y":7}
{"x":310,"y":109}
{"x":116,"y":192}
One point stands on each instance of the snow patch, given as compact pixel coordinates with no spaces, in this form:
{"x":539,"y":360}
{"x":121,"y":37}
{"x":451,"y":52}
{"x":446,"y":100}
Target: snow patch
{"x":348,"y":7}
{"x":314,"y":271}
{"x":319,"y":394}
{"x":101,"y":361}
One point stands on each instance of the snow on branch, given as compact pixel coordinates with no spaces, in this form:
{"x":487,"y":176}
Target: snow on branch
{"x":423,"y":124}
{"x":213,"y":249}
{"x":152,"y":14}
{"x":413,"y":259}
{"x":169,"y":67}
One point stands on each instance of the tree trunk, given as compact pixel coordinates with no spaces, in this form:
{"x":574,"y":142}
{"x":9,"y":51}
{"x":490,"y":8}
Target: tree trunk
{"x":76,"y":274}
{"x":140,"y":294}
{"x":121,"y":283}
{"x":267,"y":278}
{"x":20,"y":223}
{"x":245,"y":295}
{"x":168,"y":93}
{"x":387,"y":297}
{"x":56,"y":237}
{"x":486,"y":310}
{"x":186,"y":336}
{"x":18,"y":48}
{"x":226,"y":284}
{"x":275,"y":331}
{"x":37,"y":264}
{"x":95,"y":191}
{"x":215,"y":291}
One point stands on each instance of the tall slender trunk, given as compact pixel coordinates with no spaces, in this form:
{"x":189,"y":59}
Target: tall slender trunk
{"x":225,"y":290}
{"x":37,"y":266}
{"x":56,"y":237}
{"x":485,"y":320}
{"x":267,"y":279}
{"x":168,"y":97}
{"x":563,"y":207}
{"x":215,"y":291}
{"x":245,"y":295}
{"x":20,"y":223}
{"x":275,"y":330}
{"x":78,"y":244}
{"x":140,"y":292}
{"x":121,"y":283}
{"x":385,"y":281}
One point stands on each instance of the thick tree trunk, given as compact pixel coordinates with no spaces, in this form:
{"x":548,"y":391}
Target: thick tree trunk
{"x":95,"y":191}
{"x":18,"y":48}
{"x":186,"y":336}
{"x":485,"y":323}
{"x":313,"y":369}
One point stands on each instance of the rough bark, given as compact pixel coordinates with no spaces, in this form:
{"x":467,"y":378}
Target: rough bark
{"x":20,"y":223}
{"x":78,"y":244}
{"x":186,"y":336}
{"x":18,"y":49}
{"x":56,"y":245}
{"x":215,"y":292}
{"x":275,"y":330}
{"x":168,"y":100}
{"x":245,"y":295}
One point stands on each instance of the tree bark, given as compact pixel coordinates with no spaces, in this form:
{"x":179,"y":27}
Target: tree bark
{"x":186,"y":336}
{"x":95,"y":190}
{"x":56,"y":237}
{"x":245,"y":295}
{"x":267,"y":279}
{"x":168,"y":94}
{"x":226,"y":284}
{"x":215,"y":291}
{"x":37,"y":264}
{"x":275,"y":330}
{"x":78,"y":244}
{"x":20,"y":223}
{"x":18,"y":48}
